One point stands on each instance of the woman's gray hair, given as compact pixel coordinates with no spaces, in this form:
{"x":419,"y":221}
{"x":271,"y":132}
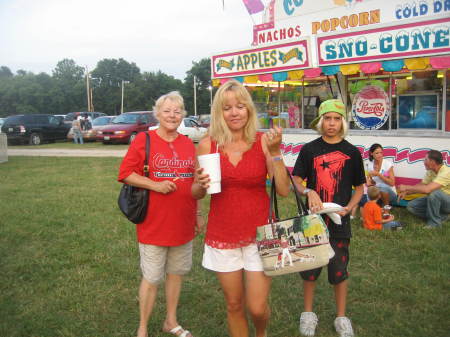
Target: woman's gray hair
{"x":343,"y":132}
{"x":173,"y":96}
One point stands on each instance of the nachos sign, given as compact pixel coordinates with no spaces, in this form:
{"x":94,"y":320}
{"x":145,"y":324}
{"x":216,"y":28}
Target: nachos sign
{"x":370,"y":109}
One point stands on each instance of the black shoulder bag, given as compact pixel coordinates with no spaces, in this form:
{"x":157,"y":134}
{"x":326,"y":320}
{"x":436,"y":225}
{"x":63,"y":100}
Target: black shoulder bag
{"x":133,"y":201}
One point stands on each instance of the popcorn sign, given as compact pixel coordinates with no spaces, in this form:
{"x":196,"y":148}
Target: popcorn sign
{"x":370,"y":108}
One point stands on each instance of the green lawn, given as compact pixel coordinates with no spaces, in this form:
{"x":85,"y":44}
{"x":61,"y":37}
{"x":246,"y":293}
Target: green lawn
{"x":69,"y":266}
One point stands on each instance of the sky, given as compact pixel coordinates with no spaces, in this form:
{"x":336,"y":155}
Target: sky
{"x":166,"y":35}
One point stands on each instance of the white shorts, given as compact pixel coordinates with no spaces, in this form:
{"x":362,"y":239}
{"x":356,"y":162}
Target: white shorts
{"x":228,"y":260}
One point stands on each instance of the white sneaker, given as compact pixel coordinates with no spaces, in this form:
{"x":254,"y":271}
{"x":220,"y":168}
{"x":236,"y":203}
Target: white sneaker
{"x":343,"y":327}
{"x":308,"y":323}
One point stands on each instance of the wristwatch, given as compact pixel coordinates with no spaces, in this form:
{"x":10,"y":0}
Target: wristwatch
{"x":306,"y":191}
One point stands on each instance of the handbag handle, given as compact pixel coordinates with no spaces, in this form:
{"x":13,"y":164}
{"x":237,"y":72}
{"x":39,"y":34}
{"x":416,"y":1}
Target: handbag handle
{"x":147,"y":154}
{"x":301,"y":208}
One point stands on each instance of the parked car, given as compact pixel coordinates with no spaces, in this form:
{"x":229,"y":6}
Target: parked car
{"x":205,"y":120}
{"x":125,"y":127}
{"x":190,"y":128}
{"x":34,"y":129}
{"x":91,"y":134}
{"x":2,"y":120}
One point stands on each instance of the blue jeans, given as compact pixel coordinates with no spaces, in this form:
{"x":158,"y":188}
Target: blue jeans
{"x":391,"y":224}
{"x":390,"y":191}
{"x":77,"y":137}
{"x":434,"y":208}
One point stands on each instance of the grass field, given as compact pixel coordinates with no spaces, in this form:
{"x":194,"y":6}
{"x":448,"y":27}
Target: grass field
{"x":69,"y":266}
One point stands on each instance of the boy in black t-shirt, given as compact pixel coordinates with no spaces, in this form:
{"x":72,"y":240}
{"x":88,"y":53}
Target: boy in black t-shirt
{"x":331,"y":166}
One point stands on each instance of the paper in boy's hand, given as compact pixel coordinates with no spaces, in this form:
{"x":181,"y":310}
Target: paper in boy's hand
{"x":330,"y":209}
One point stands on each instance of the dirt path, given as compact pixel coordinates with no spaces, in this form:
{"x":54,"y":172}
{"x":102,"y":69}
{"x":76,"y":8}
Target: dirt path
{"x":66,"y":153}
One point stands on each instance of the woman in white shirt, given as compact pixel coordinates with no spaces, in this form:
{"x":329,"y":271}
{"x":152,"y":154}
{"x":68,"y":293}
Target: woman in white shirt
{"x":381,"y":174}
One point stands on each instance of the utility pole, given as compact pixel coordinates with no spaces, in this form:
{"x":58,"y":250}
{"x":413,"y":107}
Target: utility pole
{"x":121,"y":106}
{"x":88,"y":91}
{"x":210,"y":88}
{"x":195,"y":95}
{"x":92,"y":100}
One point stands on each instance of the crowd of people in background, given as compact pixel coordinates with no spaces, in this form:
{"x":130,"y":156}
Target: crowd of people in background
{"x":328,"y":169}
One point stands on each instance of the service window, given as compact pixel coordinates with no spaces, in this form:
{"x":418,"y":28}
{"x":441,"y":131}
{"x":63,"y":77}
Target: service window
{"x":418,"y":111}
{"x":419,"y":101}
{"x":291,"y":104}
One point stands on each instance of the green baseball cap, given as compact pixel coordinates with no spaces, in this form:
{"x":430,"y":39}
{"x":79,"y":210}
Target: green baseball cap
{"x":331,"y":105}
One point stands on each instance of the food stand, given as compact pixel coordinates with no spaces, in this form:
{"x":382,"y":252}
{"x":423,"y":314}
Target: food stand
{"x":389,"y":61}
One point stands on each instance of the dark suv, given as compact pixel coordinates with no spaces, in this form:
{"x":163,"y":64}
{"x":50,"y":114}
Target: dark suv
{"x":125,"y":127}
{"x":34,"y":129}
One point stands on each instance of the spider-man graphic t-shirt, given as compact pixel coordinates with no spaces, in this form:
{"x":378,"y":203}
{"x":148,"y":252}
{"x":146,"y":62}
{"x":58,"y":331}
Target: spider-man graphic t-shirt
{"x":331,"y":170}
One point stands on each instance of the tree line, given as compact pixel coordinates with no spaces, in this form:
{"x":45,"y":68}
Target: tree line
{"x":65,"y":90}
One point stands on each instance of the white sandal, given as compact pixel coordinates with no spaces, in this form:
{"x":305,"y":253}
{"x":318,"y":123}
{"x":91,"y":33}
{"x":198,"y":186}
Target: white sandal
{"x":174,"y":331}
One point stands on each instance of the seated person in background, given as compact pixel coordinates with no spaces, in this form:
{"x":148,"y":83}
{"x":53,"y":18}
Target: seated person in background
{"x":434,"y":207}
{"x":381,"y":174}
{"x":372,"y":217}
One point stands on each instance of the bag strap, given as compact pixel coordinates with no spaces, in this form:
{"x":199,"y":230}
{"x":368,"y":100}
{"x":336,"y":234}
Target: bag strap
{"x":301,"y":208}
{"x":147,"y":154}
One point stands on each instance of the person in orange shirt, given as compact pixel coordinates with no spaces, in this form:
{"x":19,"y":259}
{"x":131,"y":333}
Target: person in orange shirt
{"x":372,"y":217}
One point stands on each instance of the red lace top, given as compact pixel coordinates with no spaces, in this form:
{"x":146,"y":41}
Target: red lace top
{"x":243,"y":203}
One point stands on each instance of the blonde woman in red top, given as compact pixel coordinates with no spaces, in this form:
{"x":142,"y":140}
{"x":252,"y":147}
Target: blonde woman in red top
{"x":165,"y":236}
{"x":246,"y":157}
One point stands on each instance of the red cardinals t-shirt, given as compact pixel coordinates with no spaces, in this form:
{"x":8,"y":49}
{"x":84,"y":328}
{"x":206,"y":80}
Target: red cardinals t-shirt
{"x":170,"y":217}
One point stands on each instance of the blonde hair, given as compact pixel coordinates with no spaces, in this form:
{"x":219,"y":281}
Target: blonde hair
{"x":373,"y":192}
{"x":342,"y":133}
{"x":173,"y":96}
{"x":218,"y":129}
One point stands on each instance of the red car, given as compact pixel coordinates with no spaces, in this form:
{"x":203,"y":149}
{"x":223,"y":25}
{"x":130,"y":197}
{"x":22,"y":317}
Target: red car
{"x":124,"y":128}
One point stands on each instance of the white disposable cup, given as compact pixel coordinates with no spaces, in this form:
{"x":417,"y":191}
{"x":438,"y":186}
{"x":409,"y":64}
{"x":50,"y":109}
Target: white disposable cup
{"x":211,"y":165}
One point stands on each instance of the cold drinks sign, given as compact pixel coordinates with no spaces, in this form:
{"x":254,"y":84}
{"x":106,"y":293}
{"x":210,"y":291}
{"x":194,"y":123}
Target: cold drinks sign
{"x":412,"y":38}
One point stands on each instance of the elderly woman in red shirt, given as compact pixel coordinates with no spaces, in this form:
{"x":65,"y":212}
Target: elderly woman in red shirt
{"x":165,"y":236}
